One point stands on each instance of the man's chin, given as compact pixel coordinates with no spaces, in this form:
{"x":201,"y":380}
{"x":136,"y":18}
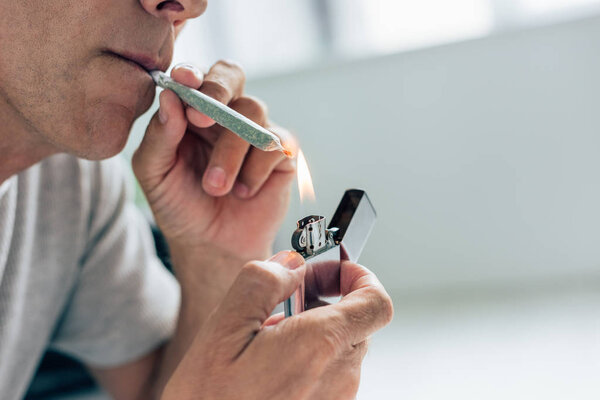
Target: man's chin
{"x":106,"y":133}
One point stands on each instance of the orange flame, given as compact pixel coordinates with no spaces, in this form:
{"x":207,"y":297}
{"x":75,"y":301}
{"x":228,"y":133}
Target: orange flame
{"x":305,"y":184}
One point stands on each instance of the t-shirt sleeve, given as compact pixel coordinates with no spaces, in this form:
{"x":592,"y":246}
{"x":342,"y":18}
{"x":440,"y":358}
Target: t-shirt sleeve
{"x":125,"y":303}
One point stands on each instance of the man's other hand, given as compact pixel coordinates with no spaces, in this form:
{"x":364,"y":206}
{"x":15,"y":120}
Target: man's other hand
{"x":242,"y":353}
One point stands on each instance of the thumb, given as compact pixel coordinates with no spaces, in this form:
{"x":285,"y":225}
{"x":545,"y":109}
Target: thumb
{"x":157,"y":153}
{"x":257,"y":290}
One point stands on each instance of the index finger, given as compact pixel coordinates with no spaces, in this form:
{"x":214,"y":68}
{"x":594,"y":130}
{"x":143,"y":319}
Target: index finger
{"x":365,"y":308}
{"x":332,"y":278}
{"x":224,"y":82}
{"x":256,"y":291}
{"x":188,"y":75}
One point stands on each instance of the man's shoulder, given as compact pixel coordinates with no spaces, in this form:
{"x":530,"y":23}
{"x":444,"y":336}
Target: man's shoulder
{"x":66,"y":173}
{"x":66,"y":187}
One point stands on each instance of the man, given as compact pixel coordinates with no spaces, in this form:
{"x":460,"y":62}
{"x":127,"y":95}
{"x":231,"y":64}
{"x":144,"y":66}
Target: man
{"x":77,"y":272}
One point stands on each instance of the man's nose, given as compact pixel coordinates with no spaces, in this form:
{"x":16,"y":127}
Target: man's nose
{"x":175,"y":11}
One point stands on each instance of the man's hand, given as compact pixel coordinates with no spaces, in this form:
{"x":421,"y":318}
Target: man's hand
{"x":210,"y":191}
{"x":217,"y":200}
{"x":242,"y":353}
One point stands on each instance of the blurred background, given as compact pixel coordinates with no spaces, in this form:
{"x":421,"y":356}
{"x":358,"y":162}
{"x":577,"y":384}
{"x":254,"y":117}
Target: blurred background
{"x":474,"y":127}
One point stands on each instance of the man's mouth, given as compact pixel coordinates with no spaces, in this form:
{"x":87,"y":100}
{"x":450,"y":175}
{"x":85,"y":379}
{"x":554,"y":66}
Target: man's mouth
{"x":144,"y":61}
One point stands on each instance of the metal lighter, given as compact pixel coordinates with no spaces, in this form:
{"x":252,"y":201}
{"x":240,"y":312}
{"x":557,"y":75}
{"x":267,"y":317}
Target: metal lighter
{"x":324,"y":247}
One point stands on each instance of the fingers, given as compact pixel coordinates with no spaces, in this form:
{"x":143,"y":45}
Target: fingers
{"x":158,"y":151}
{"x":234,"y":165}
{"x":191,"y":76}
{"x":364,"y":309}
{"x":341,"y":378}
{"x":259,"y":165}
{"x":188,"y":75}
{"x":230,"y":150}
{"x":224,"y":82}
{"x":257,"y":290}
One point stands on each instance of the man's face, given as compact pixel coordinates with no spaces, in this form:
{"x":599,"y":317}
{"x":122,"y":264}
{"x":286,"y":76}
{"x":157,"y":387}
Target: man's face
{"x":65,"y":73}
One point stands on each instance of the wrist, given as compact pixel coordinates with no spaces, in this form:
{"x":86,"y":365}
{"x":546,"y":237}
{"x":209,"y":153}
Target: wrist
{"x":184,"y":253}
{"x":204,"y":271}
{"x":188,"y":248}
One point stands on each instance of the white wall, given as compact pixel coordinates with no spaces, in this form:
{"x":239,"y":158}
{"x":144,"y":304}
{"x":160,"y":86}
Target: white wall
{"x":482,"y":158}
{"x":486,"y":170}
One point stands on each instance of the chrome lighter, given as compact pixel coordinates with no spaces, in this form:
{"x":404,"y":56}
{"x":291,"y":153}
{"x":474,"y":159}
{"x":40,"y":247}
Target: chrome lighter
{"x":324,"y":247}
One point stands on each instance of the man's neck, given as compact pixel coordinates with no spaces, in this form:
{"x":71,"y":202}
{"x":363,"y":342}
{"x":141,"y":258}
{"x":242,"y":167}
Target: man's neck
{"x":20,"y":147}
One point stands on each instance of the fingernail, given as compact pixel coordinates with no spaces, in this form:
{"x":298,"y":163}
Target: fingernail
{"x":241,"y":190}
{"x":192,"y":68}
{"x":162,"y":116}
{"x":215,"y":177}
{"x":289,"y":259}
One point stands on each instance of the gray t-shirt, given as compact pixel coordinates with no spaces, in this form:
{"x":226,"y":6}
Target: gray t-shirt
{"x":78,"y":272}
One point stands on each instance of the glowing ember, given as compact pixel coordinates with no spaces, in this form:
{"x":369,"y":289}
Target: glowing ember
{"x":305,"y":185}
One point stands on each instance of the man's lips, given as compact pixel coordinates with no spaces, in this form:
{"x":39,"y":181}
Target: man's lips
{"x":144,"y":61}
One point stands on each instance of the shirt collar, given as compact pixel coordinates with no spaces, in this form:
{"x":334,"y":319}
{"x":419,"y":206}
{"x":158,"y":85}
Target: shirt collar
{"x":6,"y":185}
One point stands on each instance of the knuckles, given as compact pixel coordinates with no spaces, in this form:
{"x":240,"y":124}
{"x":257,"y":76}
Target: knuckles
{"x":378,"y":307}
{"x":329,"y":335}
{"x":330,"y":344}
{"x":383,"y":305}
{"x":332,"y":332}
{"x":233,"y":66}
{"x":216,"y":89}
{"x":253,"y":108}
{"x":262,"y":277}
{"x":358,"y":352}
{"x":224,"y":80}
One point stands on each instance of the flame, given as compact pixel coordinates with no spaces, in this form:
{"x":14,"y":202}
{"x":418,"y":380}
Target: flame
{"x":305,"y":184}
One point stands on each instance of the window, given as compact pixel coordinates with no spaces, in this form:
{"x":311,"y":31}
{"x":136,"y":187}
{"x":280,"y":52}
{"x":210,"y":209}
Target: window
{"x":533,"y":7}
{"x":382,"y":26}
{"x":264,"y":35}
{"x":270,"y":36}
